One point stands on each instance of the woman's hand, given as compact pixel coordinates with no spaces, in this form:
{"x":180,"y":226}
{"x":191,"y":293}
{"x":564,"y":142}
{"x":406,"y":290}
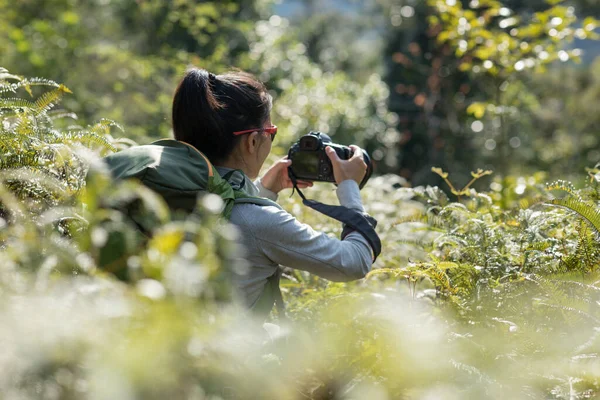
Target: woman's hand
{"x":354,"y":168}
{"x":276,"y":178}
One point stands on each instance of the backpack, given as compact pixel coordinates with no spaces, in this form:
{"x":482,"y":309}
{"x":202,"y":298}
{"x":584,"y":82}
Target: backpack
{"x":179,"y":173}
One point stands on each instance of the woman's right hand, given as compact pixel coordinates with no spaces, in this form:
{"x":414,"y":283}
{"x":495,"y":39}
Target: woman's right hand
{"x":354,"y":168}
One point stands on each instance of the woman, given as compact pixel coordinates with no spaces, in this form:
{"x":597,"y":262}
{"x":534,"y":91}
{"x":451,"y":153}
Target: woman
{"x":227,"y":117}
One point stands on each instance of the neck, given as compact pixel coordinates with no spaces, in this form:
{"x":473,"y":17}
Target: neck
{"x":236,"y":163}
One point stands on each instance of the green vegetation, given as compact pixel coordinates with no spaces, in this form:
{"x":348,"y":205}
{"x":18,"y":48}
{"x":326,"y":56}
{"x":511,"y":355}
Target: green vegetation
{"x":488,"y":290}
{"x":470,"y":298}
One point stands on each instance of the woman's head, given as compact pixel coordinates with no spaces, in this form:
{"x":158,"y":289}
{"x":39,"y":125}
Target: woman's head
{"x":208,"y":109}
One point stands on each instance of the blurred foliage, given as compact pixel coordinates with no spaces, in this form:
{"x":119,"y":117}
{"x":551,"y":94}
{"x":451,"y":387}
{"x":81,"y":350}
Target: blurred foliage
{"x":309,"y":98}
{"x":493,"y":44}
{"x":494,"y":295}
{"x":123,"y":56}
{"x":123,"y":59}
{"x":447,"y":62}
{"x":127,"y":56}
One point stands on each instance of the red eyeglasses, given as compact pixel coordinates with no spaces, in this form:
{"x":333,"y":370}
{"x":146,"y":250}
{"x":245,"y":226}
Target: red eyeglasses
{"x":271,"y":130}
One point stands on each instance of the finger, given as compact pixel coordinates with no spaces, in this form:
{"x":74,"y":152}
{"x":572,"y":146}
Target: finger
{"x":307,"y":183}
{"x":332,"y":154}
{"x":282,"y":164}
{"x":356,"y":151}
{"x":304,"y":185}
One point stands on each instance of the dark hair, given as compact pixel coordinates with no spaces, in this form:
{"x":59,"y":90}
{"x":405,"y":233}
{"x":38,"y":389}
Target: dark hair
{"x":208,"y":108}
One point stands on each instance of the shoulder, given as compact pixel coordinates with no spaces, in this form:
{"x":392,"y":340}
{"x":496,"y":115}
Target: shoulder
{"x":259,"y":216}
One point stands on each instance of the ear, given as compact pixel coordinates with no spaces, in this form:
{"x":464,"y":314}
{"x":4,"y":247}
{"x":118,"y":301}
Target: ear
{"x":252,"y":142}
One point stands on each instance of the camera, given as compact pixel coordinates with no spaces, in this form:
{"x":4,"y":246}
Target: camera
{"x":311,"y":163}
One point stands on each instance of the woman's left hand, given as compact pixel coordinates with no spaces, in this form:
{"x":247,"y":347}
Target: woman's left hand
{"x":276,"y":178}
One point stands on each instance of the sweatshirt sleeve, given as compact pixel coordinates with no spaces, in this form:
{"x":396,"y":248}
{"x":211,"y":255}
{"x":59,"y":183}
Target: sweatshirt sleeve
{"x":264,"y":192}
{"x":286,"y":241}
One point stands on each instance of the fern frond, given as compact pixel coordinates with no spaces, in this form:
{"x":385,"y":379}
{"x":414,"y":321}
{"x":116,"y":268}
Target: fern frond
{"x":579,"y":286}
{"x":26,"y":84}
{"x":417,"y":217}
{"x":530,"y":202}
{"x":103,"y":127}
{"x":461,"y":208}
{"x":13,"y":103}
{"x":31,"y":176}
{"x":584,"y":209}
{"x":25,"y":125}
{"x":4,"y":75}
{"x":9,"y":203}
{"x":450,"y":240}
{"x":568,"y":309}
{"x":420,"y":242}
{"x":61,"y":114}
{"x":89,"y":138}
{"x":563,"y":186}
{"x":47,"y":100}
{"x":471,"y":370}
{"x":539,"y":246}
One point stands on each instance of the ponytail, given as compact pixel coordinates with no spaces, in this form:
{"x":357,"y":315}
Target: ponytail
{"x":208,"y":108}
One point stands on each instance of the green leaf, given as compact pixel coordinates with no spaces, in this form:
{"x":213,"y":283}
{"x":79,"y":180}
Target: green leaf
{"x":476,"y":109}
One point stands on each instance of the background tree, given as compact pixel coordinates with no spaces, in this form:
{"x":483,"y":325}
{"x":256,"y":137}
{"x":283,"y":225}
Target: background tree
{"x":126,"y":55}
{"x":433,"y":80}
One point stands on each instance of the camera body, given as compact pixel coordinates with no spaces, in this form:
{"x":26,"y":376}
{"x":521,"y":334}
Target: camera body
{"x":311,"y":163}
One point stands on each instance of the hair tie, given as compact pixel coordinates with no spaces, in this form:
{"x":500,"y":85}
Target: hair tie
{"x":211,"y":77}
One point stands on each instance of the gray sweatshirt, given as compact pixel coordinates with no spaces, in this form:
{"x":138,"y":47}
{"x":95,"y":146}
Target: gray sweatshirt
{"x":273,"y":237}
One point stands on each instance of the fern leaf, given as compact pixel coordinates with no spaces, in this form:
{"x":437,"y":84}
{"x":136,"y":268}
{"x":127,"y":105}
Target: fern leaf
{"x":459,"y":207}
{"x":563,"y":186}
{"x":103,"y":126}
{"x":88,"y":137}
{"x":61,"y":114}
{"x":423,"y":242}
{"x":27,"y":84}
{"x":417,"y":217}
{"x":530,"y":202}
{"x":567,"y":309}
{"x":45,"y":183}
{"x":584,"y":209}
{"x":47,"y":100}
{"x":4,"y":75}
{"x":8,"y":202}
{"x":13,"y":103}
{"x":539,"y":246}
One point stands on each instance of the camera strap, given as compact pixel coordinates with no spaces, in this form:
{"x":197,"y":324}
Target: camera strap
{"x":353,"y":220}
